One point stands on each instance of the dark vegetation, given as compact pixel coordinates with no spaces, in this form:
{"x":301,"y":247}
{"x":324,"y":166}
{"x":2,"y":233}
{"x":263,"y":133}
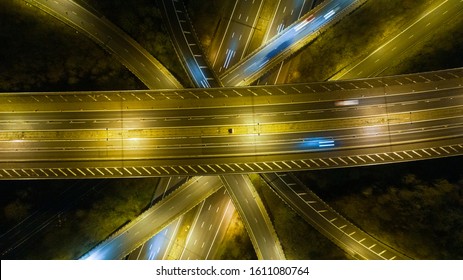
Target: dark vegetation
{"x":237,"y":245}
{"x":442,"y":50}
{"x":353,"y":37}
{"x":40,"y":53}
{"x":206,"y":16}
{"x":415,"y":207}
{"x":143,"y":22}
{"x":300,"y":241}
{"x":91,"y":218}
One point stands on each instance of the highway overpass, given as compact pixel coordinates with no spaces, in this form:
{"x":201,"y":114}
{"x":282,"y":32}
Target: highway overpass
{"x":350,"y":102}
{"x":231,"y":130}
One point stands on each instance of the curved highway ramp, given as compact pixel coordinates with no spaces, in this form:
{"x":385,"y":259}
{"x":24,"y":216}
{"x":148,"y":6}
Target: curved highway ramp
{"x":327,"y":221}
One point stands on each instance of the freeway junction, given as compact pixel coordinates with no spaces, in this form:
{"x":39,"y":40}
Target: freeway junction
{"x":318,"y":144}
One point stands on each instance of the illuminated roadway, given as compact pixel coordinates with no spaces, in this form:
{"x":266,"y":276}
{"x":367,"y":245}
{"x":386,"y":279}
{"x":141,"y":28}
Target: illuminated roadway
{"x":204,"y":238}
{"x":346,"y":235}
{"x":254,"y":216}
{"x":158,"y":246}
{"x":356,"y":235}
{"x":139,"y":61}
{"x":326,"y":220}
{"x":315,"y":211}
{"x":209,"y":227}
{"x":287,"y":42}
{"x":235,"y":34}
{"x":380,"y":59}
{"x":129,"y":237}
{"x":186,"y":43}
{"x":443,"y":149}
{"x":287,"y":12}
{"x":245,"y":198}
{"x":275,"y":128}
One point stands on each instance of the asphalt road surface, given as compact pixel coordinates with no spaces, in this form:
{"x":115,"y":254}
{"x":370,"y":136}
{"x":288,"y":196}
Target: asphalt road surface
{"x":209,"y":227}
{"x":254,"y":216}
{"x":158,"y":246}
{"x":296,"y":123}
{"x":381,"y":58}
{"x":235,"y":34}
{"x":286,"y":43}
{"x":187,"y":45}
{"x":316,"y":212}
{"x":131,"y":236}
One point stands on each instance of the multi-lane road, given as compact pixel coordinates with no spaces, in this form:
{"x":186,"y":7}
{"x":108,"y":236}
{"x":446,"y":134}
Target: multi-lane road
{"x":187,"y":45}
{"x":287,"y":42}
{"x":268,"y":128}
{"x":236,"y":34}
{"x":286,"y":12}
{"x":137,"y":232}
{"x":251,"y":210}
{"x":255,"y":217}
{"x":429,"y":124}
{"x":160,"y":244}
{"x":209,"y":227}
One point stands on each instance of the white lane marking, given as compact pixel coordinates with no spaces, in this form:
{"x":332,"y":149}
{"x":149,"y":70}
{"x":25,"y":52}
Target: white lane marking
{"x":229,"y":55}
{"x":226,"y":30}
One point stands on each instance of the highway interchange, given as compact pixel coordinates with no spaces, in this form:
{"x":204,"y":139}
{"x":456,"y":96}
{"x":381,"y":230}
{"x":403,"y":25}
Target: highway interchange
{"x":258,"y":125}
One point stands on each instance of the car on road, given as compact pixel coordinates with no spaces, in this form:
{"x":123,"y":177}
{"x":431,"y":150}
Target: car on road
{"x":350,"y":102}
